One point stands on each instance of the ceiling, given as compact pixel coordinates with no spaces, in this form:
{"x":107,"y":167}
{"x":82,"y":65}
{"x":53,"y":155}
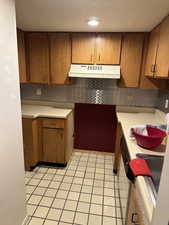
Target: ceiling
{"x":72,"y":15}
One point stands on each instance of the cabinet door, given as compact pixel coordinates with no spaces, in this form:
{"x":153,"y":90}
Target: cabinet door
{"x":108,"y":47}
{"x":21,"y":56}
{"x":162,"y":62}
{"x":38,"y":57}
{"x":131,"y":59}
{"x":152,"y":52}
{"x":30,"y":142}
{"x":53,"y":145}
{"x":60,"y":57}
{"x":83,"y":48}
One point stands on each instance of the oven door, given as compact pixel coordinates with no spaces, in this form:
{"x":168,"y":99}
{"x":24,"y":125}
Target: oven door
{"x":124,"y":183}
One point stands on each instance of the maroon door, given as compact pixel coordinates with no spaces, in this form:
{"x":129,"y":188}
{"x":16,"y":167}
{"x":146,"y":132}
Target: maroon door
{"x":95,"y":127}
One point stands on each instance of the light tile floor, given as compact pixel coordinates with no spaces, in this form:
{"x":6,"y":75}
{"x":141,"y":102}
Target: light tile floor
{"x":83,"y":193}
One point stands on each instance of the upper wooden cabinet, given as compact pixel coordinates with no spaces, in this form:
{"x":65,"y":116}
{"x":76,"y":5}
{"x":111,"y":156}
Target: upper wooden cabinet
{"x":60,"y":57}
{"x":131,"y":59}
{"x":21,"y":56}
{"x":157,"y":61}
{"x":91,"y":48}
{"x":152,"y":52}
{"x":38,"y":57}
{"x":108,"y":47}
{"x":162,"y":61}
{"x":83,"y":48}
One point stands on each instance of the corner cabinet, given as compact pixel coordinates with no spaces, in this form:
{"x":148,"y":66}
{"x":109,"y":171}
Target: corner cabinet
{"x":47,"y":140}
{"x":162,"y":61}
{"x":21,"y":56}
{"x":131,"y":59}
{"x":152,"y":52}
{"x":157,"y":61}
{"x":100,"y":48}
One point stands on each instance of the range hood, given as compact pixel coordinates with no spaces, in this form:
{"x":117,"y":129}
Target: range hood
{"x":94,"y":71}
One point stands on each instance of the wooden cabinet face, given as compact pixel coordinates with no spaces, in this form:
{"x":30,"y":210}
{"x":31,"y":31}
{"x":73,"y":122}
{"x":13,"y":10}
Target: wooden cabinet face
{"x":38,"y":57}
{"x":108,"y":48}
{"x":152,"y":52}
{"x":21,"y":56}
{"x":53,"y":145}
{"x":131,"y":59}
{"x":60,"y":57}
{"x":162,"y":61}
{"x":83,"y":48}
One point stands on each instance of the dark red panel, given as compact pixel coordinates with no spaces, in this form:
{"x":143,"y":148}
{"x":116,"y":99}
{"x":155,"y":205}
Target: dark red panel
{"x":95,"y":127}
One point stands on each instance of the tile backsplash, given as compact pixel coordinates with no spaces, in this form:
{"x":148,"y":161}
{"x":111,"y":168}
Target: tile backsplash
{"x":162,"y":96}
{"x":97,"y":91}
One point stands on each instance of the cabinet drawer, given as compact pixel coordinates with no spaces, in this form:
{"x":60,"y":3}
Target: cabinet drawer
{"x":53,"y":123}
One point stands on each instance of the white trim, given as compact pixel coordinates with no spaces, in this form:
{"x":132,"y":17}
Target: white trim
{"x":26,"y":220}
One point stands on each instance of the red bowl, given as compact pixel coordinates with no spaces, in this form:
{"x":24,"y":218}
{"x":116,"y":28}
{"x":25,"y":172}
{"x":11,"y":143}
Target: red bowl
{"x":153,"y":140}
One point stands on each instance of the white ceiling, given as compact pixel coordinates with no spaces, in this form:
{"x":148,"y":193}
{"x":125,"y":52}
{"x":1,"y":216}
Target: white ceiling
{"x":71,"y":15}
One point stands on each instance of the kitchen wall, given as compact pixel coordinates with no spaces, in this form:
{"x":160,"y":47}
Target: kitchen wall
{"x":92,"y":91}
{"x":162,"y":96}
{"x":12,"y":188}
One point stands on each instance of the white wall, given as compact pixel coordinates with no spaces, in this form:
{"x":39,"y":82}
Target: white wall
{"x":12,"y":193}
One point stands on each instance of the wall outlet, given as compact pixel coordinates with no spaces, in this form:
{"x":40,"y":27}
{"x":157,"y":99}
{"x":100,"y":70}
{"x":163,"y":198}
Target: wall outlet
{"x":166,"y":104}
{"x":39,"y":91}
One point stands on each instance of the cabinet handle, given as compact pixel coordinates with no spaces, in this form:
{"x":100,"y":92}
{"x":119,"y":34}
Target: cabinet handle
{"x":153,"y":68}
{"x":134,"y":218}
{"x":99,"y":57}
{"x":91,"y":58}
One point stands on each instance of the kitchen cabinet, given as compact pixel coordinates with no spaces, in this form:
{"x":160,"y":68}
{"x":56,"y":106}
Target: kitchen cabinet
{"x":162,"y":60}
{"x":148,"y":82}
{"x":47,"y":140}
{"x":53,"y":145}
{"x":30,"y":142}
{"x":152,"y":52}
{"x":56,"y":139}
{"x":60,"y":57}
{"x":21,"y":56}
{"x":131,"y":59}
{"x":53,"y":140}
{"x":157,"y":61}
{"x":119,"y":134}
{"x":37,"y":45}
{"x":91,"y":48}
{"x":108,"y":47}
{"x":83,"y":48}
{"x":134,"y":214}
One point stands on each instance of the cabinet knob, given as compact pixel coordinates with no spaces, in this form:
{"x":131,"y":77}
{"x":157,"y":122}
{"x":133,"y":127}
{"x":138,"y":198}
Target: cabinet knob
{"x":134,"y":218}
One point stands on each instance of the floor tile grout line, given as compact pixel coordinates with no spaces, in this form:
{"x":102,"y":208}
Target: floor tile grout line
{"x":74,"y":176}
{"x":68,"y":194}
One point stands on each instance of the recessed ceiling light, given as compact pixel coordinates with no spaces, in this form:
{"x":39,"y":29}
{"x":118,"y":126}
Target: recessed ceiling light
{"x":93,"y":22}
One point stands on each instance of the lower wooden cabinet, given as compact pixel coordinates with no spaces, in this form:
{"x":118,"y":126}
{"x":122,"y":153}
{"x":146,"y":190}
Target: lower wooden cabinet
{"x":47,"y":140}
{"x":30,"y":142}
{"x":53,"y":145}
{"x":134,"y":215}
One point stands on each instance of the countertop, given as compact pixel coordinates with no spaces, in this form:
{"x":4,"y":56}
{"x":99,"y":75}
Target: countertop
{"x":127,"y":120}
{"x":34,"y":111}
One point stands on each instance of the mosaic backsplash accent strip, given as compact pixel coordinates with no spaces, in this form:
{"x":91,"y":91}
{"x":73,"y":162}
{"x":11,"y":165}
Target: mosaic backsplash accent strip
{"x":97,"y":91}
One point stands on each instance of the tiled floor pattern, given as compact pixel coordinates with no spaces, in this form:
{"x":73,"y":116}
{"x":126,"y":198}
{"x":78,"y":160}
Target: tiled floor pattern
{"x":83,"y":193}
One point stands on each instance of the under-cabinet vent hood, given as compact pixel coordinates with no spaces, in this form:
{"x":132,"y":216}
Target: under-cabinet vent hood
{"x":94,"y":71}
